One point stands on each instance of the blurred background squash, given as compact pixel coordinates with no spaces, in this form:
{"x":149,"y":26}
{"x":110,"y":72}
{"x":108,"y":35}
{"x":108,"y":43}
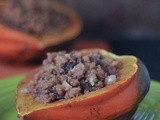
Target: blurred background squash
{"x":49,"y":23}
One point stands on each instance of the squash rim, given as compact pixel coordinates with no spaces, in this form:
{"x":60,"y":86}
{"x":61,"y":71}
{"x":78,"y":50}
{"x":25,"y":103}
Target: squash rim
{"x":66,"y":34}
{"x":86,"y":96}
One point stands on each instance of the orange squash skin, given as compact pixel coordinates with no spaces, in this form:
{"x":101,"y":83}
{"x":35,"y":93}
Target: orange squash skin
{"x":17,"y":46}
{"x":117,"y":103}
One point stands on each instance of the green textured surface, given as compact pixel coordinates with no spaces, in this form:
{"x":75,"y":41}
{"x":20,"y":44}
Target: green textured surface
{"x":7,"y":99}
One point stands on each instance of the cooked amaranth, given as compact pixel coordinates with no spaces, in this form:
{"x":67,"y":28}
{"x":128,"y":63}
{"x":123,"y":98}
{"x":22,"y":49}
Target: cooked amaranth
{"x":35,"y":17}
{"x":67,"y":75}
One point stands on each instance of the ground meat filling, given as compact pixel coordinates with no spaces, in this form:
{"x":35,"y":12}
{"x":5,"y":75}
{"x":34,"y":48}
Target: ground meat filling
{"x":34,"y":17}
{"x":67,"y":75}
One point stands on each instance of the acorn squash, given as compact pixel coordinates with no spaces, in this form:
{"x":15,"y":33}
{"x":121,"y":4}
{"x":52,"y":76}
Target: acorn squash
{"x":17,"y":45}
{"x":116,"y":101}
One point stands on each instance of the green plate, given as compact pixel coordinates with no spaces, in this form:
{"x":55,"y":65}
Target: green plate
{"x":7,"y":99}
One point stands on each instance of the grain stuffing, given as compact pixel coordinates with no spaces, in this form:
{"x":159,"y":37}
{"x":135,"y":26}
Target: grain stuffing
{"x":35,"y":17}
{"x":67,"y":75}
